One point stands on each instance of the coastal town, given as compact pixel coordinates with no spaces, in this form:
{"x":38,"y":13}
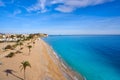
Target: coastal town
{"x":16,"y":37}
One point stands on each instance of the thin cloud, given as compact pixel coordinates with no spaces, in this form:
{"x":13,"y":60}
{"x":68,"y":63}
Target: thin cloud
{"x":74,"y":4}
{"x":16,"y":12}
{"x":39,"y":6}
{"x":64,"y":5}
{"x":64,"y":8}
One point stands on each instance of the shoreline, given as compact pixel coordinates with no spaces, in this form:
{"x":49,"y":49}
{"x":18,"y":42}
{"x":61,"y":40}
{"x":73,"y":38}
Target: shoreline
{"x":45,"y":63}
{"x":73,"y":74}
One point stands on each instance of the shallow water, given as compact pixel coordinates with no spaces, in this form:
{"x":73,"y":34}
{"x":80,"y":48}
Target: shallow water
{"x":95,"y":57}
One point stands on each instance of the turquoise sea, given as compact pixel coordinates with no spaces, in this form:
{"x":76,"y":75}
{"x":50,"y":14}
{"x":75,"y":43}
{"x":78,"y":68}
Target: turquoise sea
{"x":95,"y":57}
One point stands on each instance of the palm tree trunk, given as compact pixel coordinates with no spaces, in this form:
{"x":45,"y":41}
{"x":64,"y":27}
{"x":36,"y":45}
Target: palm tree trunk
{"x":24,"y":75}
{"x":29,"y":51}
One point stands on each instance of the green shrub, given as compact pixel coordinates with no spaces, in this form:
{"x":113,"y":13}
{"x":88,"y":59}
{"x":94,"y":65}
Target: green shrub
{"x":8,"y":47}
{"x":10,"y":55}
{"x":14,"y":46}
{"x":18,"y":52}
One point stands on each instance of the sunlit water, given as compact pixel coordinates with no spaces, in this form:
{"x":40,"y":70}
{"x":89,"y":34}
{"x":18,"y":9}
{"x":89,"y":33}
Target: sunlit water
{"x":95,"y":57}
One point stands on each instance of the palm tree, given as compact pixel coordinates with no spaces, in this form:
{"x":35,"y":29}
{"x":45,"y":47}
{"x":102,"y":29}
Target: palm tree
{"x":23,"y":66}
{"x":12,"y":36}
{"x":1,"y":37}
{"x":33,"y":43}
{"x":18,"y":41}
{"x":20,"y":44}
{"x":29,"y":47}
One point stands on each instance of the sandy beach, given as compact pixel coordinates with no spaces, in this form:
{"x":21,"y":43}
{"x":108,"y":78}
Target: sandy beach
{"x":45,"y":64}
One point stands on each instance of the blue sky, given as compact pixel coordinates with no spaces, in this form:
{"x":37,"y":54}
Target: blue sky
{"x":60,"y":16}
